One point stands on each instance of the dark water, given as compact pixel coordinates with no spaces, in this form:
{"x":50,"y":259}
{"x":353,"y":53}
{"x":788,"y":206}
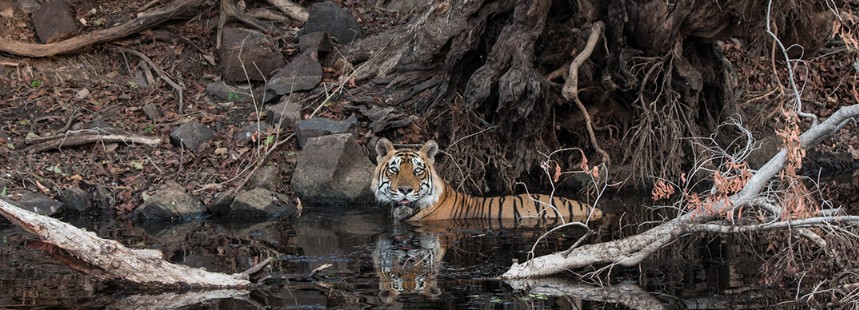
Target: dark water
{"x":372,"y":263}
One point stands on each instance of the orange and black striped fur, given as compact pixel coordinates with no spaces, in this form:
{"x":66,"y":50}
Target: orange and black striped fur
{"x":407,"y":180}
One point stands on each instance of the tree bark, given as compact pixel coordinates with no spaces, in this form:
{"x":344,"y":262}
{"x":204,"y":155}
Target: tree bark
{"x":473,"y":65}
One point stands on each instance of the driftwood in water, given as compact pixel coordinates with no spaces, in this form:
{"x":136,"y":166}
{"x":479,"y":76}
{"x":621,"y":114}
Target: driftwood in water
{"x":109,"y":260}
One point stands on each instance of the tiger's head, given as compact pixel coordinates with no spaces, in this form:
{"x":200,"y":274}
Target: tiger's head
{"x":406,"y":178}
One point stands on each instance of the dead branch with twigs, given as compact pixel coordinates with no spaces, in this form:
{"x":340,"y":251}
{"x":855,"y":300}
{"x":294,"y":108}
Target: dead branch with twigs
{"x":179,"y":89}
{"x":143,"y":21}
{"x":632,"y":250}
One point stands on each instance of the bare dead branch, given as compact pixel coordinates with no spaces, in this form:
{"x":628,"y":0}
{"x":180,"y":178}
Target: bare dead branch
{"x":158,"y":70}
{"x":809,"y":222}
{"x":109,"y":260}
{"x":632,"y":250}
{"x":74,"y":140}
{"x":143,"y":21}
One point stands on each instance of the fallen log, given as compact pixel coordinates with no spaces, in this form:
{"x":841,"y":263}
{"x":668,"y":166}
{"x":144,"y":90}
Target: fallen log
{"x":632,"y":250}
{"x":86,"y":138}
{"x":110,"y":261}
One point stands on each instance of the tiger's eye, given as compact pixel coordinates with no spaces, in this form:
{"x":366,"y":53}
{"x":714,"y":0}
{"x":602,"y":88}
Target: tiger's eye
{"x":393,"y":170}
{"x":419,"y":171}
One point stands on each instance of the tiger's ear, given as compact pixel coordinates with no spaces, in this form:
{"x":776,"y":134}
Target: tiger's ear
{"x":430,"y":149}
{"x":383,"y":148}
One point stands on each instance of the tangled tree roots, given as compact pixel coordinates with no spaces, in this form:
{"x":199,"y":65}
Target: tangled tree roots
{"x":501,"y":63}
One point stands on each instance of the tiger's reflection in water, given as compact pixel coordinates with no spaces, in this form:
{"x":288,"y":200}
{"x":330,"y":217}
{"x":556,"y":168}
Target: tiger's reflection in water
{"x":407,"y":262}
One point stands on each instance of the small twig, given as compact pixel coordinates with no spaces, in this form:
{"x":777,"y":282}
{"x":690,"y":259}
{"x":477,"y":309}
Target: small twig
{"x":320,"y":268}
{"x":69,"y":121}
{"x":157,"y":70}
{"x":266,"y":14}
{"x":571,"y":87}
{"x":295,"y":11}
{"x":161,"y":172}
{"x":75,"y":140}
{"x":148,"y":5}
{"x":256,"y":268}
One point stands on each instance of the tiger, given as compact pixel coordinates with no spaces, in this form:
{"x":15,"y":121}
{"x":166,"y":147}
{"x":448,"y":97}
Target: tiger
{"x":407,"y":263}
{"x":407,"y":180}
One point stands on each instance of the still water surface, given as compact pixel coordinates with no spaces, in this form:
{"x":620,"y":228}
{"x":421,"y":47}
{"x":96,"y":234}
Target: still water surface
{"x":331,"y":258}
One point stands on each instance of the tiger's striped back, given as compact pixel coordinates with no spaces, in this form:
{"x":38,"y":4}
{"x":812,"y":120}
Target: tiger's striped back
{"x":407,"y":180}
{"x":455,"y":205}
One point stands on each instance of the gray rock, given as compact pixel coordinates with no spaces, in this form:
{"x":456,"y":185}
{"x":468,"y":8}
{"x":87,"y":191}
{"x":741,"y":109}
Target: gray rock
{"x":140,"y":79}
{"x":267,"y":177}
{"x":99,"y":123}
{"x":328,"y":17}
{"x":28,"y":6}
{"x":384,"y":118}
{"x":103,"y":197}
{"x":169,"y":203}
{"x":320,"y":126}
{"x":315,"y":40}
{"x":256,"y":50}
{"x":192,"y":135}
{"x":333,"y":170}
{"x":222,"y":202}
{"x":54,"y":22}
{"x":286,"y":113}
{"x":38,"y":203}
{"x":228,"y":92}
{"x":75,"y":199}
{"x":152,"y":112}
{"x":260,"y":202}
{"x":244,"y":135}
{"x":303,"y":73}
{"x":265,"y":95}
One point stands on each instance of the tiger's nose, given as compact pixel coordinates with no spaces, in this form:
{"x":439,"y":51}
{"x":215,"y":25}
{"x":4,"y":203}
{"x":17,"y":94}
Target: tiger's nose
{"x":405,"y":189}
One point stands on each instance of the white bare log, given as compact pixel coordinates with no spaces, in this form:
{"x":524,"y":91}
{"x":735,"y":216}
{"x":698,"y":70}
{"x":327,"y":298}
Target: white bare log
{"x":291,"y":9}
{"x":632,"y":250}
{"x":108,"y":260}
